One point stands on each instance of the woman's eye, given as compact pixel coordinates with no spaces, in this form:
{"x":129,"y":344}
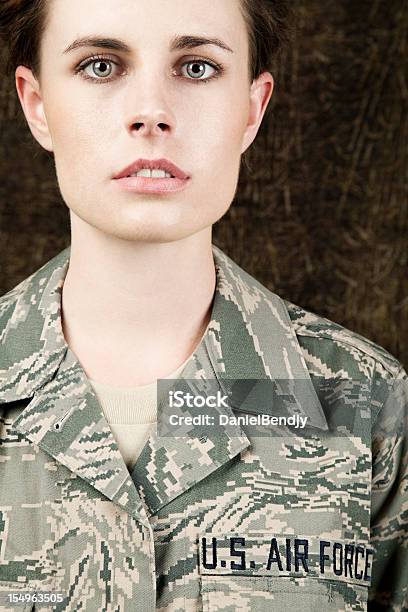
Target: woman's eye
{"x":198,"y":69}
{"x":100,"y":69}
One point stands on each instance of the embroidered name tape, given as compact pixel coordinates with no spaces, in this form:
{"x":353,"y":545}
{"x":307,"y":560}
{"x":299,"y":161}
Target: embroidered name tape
{"x":260,"y":554}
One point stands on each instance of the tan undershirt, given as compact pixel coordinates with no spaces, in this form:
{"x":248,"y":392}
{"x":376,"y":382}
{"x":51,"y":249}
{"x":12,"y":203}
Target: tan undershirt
{"x":131,"y":413}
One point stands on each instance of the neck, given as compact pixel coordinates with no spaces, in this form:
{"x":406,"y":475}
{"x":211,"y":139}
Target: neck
{"x":134,"y":311}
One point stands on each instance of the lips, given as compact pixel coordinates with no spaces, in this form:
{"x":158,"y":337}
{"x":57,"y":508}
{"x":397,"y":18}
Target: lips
{"x":155,"y":164}
{"x":171,"y":178}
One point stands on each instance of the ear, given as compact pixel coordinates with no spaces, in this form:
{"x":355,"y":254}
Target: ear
{"x":260,"y":94}
{"x":29,"y":93}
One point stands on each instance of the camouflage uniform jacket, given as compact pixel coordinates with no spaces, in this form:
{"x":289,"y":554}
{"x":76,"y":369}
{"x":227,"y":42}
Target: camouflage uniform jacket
{"x":236,"y":522}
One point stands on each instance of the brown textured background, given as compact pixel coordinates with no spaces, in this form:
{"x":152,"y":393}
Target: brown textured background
{"x":321,"y":217}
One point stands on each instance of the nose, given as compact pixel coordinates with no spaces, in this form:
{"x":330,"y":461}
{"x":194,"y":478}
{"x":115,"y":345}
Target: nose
{"x":149,"y":101}
{"x":149,"y":108}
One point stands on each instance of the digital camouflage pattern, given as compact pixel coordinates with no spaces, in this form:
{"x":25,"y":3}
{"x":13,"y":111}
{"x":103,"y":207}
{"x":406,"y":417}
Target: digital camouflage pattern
{"x":233,"y":522}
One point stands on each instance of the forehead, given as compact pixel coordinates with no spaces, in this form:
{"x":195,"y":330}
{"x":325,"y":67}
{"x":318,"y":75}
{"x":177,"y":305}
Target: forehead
{"x":146,"y":23}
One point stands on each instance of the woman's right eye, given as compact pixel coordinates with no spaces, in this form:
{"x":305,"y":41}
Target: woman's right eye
{"x":99,"y":69}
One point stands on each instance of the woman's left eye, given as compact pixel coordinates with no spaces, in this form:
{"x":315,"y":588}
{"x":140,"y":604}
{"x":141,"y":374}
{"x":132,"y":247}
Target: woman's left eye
{"x":198,"y":69}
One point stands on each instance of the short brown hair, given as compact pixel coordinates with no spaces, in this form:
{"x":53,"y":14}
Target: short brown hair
{"x":22,"y":24}
{"x":270,"y":27}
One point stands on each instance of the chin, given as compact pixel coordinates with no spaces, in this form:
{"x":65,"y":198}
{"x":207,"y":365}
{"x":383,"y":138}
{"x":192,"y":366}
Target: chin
{"x":159,"y":235}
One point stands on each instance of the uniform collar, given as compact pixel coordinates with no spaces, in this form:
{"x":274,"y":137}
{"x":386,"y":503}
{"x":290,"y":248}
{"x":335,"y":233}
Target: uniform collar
{"x":250,"y":336}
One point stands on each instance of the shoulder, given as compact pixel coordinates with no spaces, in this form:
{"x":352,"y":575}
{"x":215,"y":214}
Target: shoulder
{"x":30,"y":289}
{"x":12,"y":302}
{"x":27,"y":310}
{"x":332,"y":350}
{"x":329,"y":349}
{"x":31,"y":340}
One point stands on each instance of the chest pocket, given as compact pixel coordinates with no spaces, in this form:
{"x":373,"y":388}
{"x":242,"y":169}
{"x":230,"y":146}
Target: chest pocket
{"x":257,"y":571}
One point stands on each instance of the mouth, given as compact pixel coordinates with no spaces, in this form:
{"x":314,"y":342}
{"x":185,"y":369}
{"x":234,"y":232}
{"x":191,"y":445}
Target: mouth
{"x":152,"y":176}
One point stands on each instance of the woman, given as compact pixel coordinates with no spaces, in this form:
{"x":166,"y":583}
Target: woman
{"x":147,"y":108}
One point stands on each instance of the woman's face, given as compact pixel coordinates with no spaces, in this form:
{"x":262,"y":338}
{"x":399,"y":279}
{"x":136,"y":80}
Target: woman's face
{"x":125,"y":80}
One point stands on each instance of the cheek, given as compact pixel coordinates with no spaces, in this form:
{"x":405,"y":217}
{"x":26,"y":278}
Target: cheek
{"x":220,"y":129}
{"x":81,"y":149}
{"x":219,"y":154}
{"x":78,"y":129}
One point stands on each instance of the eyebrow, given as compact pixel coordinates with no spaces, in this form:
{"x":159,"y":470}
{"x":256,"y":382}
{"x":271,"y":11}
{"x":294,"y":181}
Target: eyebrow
{"x":189,"y":42}
{"x":115,"y":44}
